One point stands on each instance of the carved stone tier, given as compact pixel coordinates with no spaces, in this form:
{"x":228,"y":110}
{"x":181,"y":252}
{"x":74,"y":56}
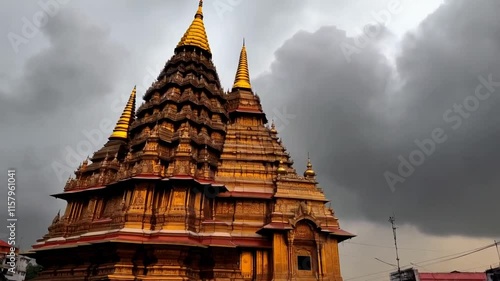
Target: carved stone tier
{"x":195,"y":185}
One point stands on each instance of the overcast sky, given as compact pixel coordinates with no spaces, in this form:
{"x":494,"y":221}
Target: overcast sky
{"x":397,"y":102}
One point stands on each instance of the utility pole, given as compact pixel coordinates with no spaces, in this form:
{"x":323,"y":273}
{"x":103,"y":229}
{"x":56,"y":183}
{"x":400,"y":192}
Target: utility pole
{"x":498,"y":252}
{"x":392,"y":220}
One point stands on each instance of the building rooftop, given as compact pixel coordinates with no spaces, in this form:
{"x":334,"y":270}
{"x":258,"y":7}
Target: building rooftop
{"x":473,"y":276}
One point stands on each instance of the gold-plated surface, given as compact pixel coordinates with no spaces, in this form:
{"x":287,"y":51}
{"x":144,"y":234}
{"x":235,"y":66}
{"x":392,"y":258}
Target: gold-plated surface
{"x":309,"y":172}
{"x":281,"y":169}
{"x":194,"y":185}
{"x":273,"y":128}
{"x":121,"y":129}
{"x":242,"y":79}
{"x":196,"y":35}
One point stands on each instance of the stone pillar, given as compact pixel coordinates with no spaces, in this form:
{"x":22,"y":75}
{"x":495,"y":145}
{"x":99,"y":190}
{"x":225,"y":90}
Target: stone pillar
{"x":291,"y":264}
{"x":280,"y":258}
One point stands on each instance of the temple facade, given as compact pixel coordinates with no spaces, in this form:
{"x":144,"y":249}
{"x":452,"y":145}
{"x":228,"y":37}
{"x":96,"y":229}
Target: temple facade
{"x":194,"y":184}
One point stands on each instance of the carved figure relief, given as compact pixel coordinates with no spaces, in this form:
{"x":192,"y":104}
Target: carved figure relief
{"x":139,"y":200}
{"x":179,"y":197}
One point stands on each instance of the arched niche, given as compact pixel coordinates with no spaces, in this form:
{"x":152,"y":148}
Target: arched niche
{"x":304,"y":249}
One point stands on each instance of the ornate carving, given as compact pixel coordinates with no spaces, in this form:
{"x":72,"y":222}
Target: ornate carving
{"x":303,"y":231}
{"x":56,"y":218}
{"x":139,"y":200}
{"x":239,"y":207}
{"x":179,"y":197}
{"x":184,"y":129}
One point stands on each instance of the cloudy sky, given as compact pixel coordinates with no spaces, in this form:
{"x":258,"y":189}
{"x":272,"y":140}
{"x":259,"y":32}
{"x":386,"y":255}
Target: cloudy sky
{"x":397,"y":102}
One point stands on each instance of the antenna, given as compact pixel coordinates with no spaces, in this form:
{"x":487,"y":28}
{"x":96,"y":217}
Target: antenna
{"x":392,"y":220}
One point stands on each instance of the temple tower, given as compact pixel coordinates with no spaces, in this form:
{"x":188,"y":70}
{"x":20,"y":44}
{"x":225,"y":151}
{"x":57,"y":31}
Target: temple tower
{"x":193,"y":185}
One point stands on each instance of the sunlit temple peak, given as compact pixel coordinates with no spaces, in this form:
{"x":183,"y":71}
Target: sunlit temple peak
{"x":121,"y":129}
{"x":196,"y":35}
{"x":242,"y":79}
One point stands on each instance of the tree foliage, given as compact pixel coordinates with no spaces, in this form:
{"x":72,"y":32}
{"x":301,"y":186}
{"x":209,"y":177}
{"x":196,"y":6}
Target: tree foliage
{"x":32,"y":271}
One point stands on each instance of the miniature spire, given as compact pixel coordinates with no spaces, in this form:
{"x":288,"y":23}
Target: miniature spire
{"x":309,"y":171}
{"x":196,"y":35}
{"x":242,"y":79}
{"x":121,"y":130}
{"x":57,"y":217}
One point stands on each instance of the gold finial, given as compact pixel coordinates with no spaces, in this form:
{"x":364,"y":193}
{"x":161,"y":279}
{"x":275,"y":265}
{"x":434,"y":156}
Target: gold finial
{"x":309,"y":171}
{"x":85,"y":162}
{"x":281,"y":170}
{"x":196,"y":35}
{"x":121,"y":129}
{"x":242,"y":79}
{"x":199,"y":12}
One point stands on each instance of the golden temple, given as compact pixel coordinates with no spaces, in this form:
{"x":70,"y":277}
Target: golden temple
{"x":192,"y":185}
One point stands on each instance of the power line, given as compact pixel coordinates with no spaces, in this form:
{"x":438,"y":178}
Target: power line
{"x":438,"y":258}
{"x":460,"y":255}
{"x":481,"y":266}
{"x":385,"y":262}
{"x":425,"y":261}
{"x":391,"y":247}
{"x":370,"y":274}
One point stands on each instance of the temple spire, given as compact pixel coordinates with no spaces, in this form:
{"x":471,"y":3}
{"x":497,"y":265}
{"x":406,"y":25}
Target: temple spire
{"x":242,"y":79}
{"x":309,"y":171}
{"x":196,"y":35}
{"x":121,"y":130}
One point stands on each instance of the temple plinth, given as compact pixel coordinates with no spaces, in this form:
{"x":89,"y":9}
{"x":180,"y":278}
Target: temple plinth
{"x":192,"y":185}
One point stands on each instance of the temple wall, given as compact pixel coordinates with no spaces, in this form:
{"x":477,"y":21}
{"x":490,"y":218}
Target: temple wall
{"x":154,"y":263}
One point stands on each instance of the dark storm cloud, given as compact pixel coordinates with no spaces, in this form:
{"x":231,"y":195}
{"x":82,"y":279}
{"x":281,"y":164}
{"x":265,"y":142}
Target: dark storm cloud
{"x":78,"y":57}
{"x":356,"y":119}
{"x":346,"y":114}
{"x":58,"y":88}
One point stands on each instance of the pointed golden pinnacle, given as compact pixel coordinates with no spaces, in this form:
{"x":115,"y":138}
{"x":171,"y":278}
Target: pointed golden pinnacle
{"x":196,"y":35}
{"x":123,"y":124}
{"x":242,"y":79}
{"x":309,"y":171}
